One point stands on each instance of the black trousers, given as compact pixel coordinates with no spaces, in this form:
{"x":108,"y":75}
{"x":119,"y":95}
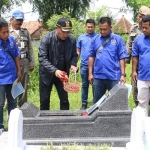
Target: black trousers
{"x":45,"y":92}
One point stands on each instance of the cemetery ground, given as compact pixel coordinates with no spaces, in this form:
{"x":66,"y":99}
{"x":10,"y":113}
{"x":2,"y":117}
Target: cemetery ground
{"x":75,"y":104}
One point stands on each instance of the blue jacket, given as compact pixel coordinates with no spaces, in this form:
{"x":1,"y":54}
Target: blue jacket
{"x":8,"y":70}
{"x":141,"y":49}
{"x":84,"y":44}
{"x":107,"y":61}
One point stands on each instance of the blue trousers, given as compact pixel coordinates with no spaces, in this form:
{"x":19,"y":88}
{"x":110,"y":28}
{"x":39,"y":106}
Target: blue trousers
{"x":100,"y":86}
{"x":85,"y":84}
{"x":5,"y":92}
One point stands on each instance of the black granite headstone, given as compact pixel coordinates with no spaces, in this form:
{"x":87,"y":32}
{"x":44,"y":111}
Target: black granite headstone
{"x":110,"y":123}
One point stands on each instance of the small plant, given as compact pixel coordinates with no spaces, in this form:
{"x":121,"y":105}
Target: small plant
{"x":77,"y":147}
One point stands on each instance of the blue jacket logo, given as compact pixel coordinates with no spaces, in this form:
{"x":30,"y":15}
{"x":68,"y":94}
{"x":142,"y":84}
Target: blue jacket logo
{"x":11,"y":44}
{"x":113,"y":41}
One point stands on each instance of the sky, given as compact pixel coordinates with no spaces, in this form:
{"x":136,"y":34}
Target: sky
{"x":114,"y":7}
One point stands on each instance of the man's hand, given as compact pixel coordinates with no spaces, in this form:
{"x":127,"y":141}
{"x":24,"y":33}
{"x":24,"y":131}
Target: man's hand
{"x":19,"y":76}
{"x":73,"y":68}
{"x":59,"y":74}
{"x":134,"y":76}
{"x":91,"y":78}
{"x":122,"y":79}
{"x":31,"y":68}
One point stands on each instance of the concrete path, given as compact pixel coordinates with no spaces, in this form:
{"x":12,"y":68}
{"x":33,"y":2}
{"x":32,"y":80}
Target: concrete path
{"x":3,"y":144}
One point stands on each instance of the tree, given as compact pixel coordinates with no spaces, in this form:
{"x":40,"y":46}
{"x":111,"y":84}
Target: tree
{"x":135,"y":5}
{"x":102,"y":11}
{"x":6,"y":5}
{"x":78,"y":25}
{"x":47,"y":8}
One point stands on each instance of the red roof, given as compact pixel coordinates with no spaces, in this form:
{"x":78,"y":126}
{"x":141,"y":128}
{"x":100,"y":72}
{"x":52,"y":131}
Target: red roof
{"x":32,"y":26}
{"x":122,"y":26}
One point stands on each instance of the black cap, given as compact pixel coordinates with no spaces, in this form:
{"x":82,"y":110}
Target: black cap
{"x":65,"y":24}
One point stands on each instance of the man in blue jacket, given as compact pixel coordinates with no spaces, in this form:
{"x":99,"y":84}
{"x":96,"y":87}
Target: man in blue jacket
{"x":141,"y":58}
{"x":9,"y":69}
{"x":83,"y":47}
{"x":107,"y":57}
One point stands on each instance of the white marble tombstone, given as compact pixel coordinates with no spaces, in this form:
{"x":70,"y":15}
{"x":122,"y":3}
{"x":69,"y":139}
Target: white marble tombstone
{"x":137,"y":130}
{"x":15,"y":129}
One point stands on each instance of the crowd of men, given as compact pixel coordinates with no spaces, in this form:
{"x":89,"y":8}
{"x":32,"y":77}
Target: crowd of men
{"x":103,"y":60}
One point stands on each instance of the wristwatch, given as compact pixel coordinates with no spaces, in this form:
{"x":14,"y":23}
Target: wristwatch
{"x":123,"y":74}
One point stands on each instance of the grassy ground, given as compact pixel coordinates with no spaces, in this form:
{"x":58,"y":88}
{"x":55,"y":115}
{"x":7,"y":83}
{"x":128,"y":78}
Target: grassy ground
{"x":77,"y":147}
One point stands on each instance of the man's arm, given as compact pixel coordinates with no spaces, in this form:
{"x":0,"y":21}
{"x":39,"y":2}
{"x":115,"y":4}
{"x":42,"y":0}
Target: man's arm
{"x":135,"y":61}
{"x":30,"y":52}
{"x":17,"y":62}
{"x":130,"y":42}
{"x":91,"y":62}
{"x":73,"y":63}
{"x":43,"y":55}
{"x":78,"y":52}
{"x":129,"y":48}
{"x":122,"y":67}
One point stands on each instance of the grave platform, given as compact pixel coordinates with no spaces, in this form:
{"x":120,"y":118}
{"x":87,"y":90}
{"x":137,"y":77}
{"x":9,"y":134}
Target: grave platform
{"x":110,"y":123}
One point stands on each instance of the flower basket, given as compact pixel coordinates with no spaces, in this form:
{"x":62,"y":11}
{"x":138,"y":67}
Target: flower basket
{"x":72,"y":86}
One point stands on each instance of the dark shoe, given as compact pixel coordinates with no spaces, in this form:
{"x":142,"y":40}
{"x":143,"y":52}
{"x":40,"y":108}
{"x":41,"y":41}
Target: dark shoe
{"x":136,"y":103}
{"x":83,"y":107}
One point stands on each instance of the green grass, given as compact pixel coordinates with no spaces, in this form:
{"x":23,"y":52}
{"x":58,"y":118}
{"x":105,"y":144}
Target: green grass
{"x":75,"y":146}
{"x":128,"y":80}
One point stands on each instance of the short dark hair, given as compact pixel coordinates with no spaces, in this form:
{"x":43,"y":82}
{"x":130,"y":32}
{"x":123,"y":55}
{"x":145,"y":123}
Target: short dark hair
{"x":3,"y":23}
{"x":90,"y":21}
{"x":146,"y":18}
{"x":103,"y":20}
